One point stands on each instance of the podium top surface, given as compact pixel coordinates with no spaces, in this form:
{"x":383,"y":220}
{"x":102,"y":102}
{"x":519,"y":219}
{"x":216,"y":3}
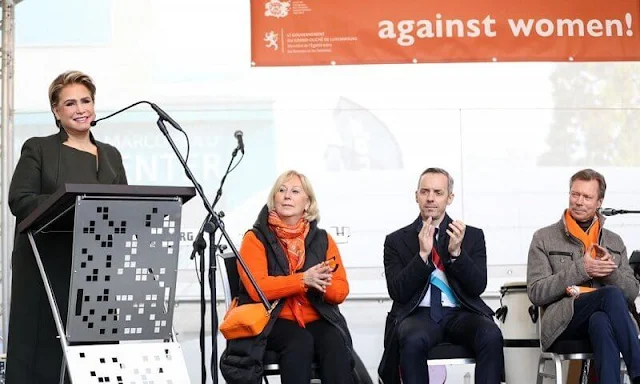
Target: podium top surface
{"x":65,"y":197}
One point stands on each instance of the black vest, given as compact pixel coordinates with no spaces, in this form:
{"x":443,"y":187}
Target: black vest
{"x":241,"y":361}
{"x":316,"y":245}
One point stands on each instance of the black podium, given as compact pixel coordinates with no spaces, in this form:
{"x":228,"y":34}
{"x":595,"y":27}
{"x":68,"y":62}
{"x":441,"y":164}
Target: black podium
{"x":123,"y":278}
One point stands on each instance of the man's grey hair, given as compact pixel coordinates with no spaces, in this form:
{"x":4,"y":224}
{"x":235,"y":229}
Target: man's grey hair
{"x":442,"y":172}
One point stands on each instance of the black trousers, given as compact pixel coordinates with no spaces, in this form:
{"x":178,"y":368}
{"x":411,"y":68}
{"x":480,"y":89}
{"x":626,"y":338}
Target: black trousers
{"x":418,"y":333}
{"x":603,"y":317}
{"x":298,"y":347}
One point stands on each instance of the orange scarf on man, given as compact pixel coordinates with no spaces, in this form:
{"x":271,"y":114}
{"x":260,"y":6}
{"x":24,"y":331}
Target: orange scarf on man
{"x":291,"y":238}
{"x":587,"y":238}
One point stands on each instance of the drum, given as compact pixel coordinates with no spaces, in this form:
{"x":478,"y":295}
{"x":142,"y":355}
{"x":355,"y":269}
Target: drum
{"x":518,"y":320}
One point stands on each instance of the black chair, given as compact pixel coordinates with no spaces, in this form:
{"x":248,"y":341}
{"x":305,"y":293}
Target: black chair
{"x":563,"y":350}
{"x":450,"y":354}
{"x":271,"y":367}
{"x":231,"y":286}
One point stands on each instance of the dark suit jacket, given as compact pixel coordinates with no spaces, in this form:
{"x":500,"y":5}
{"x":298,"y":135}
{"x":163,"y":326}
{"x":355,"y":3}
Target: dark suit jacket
{"x":34,"y":354}
{"x":408,"y":279}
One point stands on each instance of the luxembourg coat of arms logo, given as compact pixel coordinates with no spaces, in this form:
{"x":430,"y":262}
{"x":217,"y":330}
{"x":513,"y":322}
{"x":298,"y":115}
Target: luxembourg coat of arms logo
{"x":277,"y":8}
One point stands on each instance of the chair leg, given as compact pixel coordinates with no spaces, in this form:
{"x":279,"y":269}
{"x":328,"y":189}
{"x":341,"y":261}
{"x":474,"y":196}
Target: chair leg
{"x":541,"y":362}
{"x":63,"y":370}
{"x":558,"y":369}
{"x":584,"y":375}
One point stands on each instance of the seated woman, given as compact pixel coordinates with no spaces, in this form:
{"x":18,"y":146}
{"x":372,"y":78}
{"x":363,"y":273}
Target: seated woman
{"x":294,"y":260}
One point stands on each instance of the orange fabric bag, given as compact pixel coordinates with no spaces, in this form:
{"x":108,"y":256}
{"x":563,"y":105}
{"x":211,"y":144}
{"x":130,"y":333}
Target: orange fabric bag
{"x":245,"y":320}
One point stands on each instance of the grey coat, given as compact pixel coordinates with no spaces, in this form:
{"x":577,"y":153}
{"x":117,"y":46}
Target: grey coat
{"x":555,"y":262}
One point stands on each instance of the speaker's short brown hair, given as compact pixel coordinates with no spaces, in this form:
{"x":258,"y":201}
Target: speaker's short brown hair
{"x":68,"y":78}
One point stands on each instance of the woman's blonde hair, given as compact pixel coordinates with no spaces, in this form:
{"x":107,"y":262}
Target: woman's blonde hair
{"x":67,"y":78}
{"x":312,"y":213}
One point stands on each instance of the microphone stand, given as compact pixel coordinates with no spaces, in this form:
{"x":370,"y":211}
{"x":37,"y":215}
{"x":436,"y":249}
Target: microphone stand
{"x":199,"y":245}
{"x":215,"y":223}
{"x":213,"y":218}
{"x":198,"y":187}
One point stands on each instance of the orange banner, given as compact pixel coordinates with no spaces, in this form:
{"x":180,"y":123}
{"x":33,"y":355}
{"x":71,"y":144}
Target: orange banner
{"x":323,"y":32}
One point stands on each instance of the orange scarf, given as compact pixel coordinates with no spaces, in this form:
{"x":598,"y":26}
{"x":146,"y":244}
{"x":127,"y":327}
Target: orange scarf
{"x":291,"y":238}
{"x":587,"y":238}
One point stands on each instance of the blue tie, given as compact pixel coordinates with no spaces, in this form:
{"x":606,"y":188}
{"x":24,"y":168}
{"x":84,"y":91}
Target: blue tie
{"x":436,"y":293}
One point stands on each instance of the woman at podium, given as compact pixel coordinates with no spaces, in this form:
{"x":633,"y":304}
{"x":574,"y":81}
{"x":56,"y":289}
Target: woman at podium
{"x":293,"y":260}
{"x":71,"y":155}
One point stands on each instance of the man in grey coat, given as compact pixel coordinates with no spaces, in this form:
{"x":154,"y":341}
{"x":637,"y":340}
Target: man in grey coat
{"x":578,"y":272}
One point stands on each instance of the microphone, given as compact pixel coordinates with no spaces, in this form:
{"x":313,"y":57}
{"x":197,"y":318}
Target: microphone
{"x":238,"y":134}
{"x":613,"y":212}
{"x":94,"y":122}
{"x":162,"y":114}
{"x":610,"y":211}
